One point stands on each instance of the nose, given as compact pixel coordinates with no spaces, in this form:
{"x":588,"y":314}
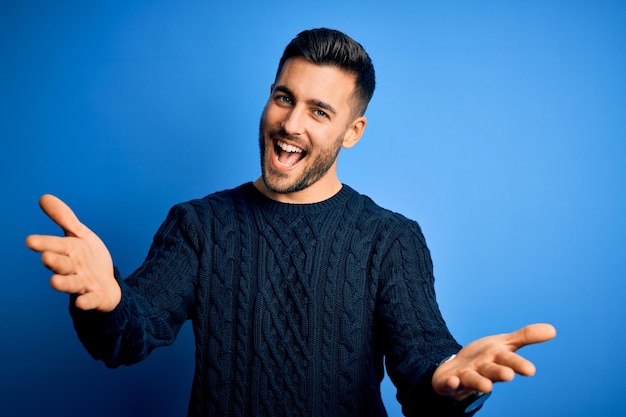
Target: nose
{"x":293,"y":121}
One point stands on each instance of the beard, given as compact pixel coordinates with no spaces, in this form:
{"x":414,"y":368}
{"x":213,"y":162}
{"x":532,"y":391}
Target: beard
{"x":317,"y":168}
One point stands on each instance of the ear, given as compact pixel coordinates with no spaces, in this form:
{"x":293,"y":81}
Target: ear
{"x":354,"y":132}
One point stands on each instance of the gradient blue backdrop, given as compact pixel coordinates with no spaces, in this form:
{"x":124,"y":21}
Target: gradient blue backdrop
{"x":499,"y":126}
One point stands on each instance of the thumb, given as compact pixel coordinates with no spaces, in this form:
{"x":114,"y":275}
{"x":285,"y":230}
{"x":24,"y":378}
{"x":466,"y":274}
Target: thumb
{"x":62,"y":215}
{"x":531,"y":334}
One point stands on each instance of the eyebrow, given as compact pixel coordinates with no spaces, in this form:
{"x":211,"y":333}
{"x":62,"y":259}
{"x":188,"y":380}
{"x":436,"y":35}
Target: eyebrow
{"x":319,"y":103}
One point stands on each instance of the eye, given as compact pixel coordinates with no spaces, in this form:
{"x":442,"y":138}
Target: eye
{"x":321,"y":113}
{"x":283,"y":99}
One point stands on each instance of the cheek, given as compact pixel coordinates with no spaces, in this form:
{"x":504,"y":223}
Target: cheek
{"x":272,"y":115}
{"x":329,"y":138}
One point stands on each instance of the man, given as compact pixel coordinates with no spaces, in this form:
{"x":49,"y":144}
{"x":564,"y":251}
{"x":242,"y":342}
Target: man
{"x":297,"y":286}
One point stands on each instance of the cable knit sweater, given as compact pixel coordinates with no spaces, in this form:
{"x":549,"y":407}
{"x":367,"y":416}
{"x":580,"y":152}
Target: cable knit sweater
{"x":294,"y":307}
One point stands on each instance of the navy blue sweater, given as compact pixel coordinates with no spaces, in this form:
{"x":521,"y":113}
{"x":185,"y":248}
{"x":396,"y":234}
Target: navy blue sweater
{"x":294,"y":307}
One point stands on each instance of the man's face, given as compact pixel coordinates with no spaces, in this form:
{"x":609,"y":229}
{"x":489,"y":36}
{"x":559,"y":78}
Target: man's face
{"x":307,"y":119}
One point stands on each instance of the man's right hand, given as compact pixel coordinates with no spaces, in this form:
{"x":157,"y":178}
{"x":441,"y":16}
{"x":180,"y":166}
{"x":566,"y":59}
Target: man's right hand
{"x":81,"y":263}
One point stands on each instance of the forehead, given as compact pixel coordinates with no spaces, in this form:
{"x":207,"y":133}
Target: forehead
{"x":326,"y":83}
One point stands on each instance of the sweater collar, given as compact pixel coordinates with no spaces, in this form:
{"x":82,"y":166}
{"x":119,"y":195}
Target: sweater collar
{"x":336,"y":201}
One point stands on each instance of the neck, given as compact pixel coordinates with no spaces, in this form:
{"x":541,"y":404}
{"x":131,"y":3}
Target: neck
{"x":312,"y":194}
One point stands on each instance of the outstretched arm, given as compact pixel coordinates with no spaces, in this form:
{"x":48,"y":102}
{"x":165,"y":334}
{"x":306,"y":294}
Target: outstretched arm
{"x":487,"y":360}
{"x":81,"y":263}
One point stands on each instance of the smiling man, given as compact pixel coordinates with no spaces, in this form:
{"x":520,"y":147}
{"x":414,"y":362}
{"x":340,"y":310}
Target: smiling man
{"x":299,"y":288}
{"x":310,"y":115}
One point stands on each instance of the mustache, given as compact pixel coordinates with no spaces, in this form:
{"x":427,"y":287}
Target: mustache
{"x":281,"y":134}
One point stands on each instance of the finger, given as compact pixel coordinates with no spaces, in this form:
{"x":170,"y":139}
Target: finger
{"x":71,"y":284}
{"x":496,"y":372}
{"x":60,"y":264}
{"x":533,"y":333}
{"x":473,"y":381}
{"x":516,"y":362}
{"x":61,"y":214}
{"x":450,"y":386}
{"x":88,"y":301}
{"x":45,"y":243}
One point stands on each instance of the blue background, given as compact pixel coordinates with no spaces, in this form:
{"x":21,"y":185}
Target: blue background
{"x":499,"y":126}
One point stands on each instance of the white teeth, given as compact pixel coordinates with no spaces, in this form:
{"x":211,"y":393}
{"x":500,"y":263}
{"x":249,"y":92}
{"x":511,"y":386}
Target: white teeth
{"x":288,"y":148}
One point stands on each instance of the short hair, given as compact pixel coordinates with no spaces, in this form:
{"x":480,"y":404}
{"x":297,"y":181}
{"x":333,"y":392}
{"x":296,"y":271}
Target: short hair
{"x":331,"y":47}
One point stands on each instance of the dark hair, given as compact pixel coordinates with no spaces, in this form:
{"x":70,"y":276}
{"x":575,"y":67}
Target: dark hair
{"x":330,"y":47}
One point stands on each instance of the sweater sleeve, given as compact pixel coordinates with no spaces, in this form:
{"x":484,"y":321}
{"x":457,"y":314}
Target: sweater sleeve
{"x":416,"y":336}
{"x":156,"y":299}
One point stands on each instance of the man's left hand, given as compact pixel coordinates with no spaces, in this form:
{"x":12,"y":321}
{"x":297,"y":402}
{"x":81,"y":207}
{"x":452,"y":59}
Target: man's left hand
{"x":487,"y":360}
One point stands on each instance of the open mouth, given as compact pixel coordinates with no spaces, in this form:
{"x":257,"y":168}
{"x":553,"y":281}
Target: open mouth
{"x":288,"y":155}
